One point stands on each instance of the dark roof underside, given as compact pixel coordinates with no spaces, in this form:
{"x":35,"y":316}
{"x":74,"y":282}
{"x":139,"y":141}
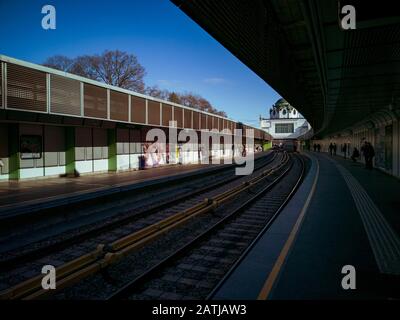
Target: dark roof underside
{"x":333,"y":77}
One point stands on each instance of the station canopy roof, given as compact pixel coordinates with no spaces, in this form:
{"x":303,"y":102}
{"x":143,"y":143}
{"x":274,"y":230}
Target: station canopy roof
{"x":334,"y":77}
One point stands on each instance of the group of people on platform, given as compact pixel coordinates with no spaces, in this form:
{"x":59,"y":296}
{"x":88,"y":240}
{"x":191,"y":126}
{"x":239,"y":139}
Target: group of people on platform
{"x":369,"y":153}
{"x":317,"y":147}
{"x":367,"y":150}
{"x":332,"y":149}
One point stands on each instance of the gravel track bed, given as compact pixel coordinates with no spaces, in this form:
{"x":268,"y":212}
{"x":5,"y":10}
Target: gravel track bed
{"x":199,"y":271}
{"x":26,"y":271}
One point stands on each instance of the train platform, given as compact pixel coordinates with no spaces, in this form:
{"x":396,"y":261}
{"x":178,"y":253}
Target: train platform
{"x":341,"y":215}
{"x":18,"y":197}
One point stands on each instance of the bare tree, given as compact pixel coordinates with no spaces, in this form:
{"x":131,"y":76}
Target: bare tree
{"x":119,"y":69}
{"x":116,"y":68}
{"x":83,"y":67}
{"x":156,"y":92}
{"x":174,"y":97}
{"x":59,"y":62}
{"x":123,"y":70}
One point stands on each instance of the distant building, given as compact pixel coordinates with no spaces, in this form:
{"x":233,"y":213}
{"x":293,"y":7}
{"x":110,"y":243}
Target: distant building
{"x":284,"y":122}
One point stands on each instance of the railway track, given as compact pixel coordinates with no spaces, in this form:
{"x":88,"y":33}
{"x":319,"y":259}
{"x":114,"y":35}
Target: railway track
{"x":195,"y":270}
{"x":105,"y":255}
{"x":133,"y":209}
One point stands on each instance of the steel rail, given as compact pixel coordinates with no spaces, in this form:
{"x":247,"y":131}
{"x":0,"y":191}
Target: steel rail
{"x":261,"y":233}
{"x":105,"y":255}
{"x":60,"y":245}
{"x":138,"y":281}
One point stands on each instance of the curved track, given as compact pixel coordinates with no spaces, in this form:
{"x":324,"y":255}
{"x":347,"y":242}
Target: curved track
{"x":111,"y":247}
{"x":193,"y":271}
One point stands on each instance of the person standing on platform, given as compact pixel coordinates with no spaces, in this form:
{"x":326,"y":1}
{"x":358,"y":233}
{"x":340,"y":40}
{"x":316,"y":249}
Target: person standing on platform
{"x":369,"y":154}
{"x":334,"y":148}
{"x":355,"y":154}
{"x":315,"y":147}
{"x":331,"y":149}
{"x":319,"y":147}
{"x":344,"y":150}
{"x":364,"y":151}
{"x":179,"y":154}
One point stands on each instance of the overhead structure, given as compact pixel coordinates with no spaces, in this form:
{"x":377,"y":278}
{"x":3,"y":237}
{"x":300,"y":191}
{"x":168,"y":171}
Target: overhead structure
{"x":334,"y":77}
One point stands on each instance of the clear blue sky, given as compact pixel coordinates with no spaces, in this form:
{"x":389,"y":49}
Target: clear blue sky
{"x":177,"y":53}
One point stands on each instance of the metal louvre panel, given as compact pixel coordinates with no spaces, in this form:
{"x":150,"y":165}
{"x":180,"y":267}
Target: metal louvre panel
{"x":209,"y":122}
{"x":54,"y":145}
{"x":95,"y":101}
{"x":138,"y":109}
{"x":65,"y":95}
{"x":228,"y":125}
{"x":153,"y":109}
{"x":196,"y":120}
{"x":122,"y":141}
{"x":83,"y":144}
{"x":83,"y":137}
{"x":203,"y":121}
{"x":135,"y":135}
{"x":26,"y":88}
{"x":178,"y":116}
{"x":135,"y":141}
{"x":166,"y":114}
{"x":119,"y":106}
{"x":188,"y":118}
{"x":100,"y":146}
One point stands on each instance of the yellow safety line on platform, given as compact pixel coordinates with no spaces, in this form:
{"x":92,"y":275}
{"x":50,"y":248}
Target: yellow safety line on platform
{"x":269,"y":283}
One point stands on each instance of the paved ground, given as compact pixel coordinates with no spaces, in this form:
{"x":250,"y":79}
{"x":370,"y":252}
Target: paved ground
{"x":351,"y":219}
{"x":383,"y":189}
{"x":12,"y":192}
{"x":331,"y":236}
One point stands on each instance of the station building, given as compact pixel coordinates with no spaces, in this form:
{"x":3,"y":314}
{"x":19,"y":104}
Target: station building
{"x":284,"y":122}
{"x":53,"y":123}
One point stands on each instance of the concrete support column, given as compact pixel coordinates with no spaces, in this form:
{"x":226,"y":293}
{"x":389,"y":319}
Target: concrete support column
{"x":112,"y":149}
{"x":13,"y":151}
{"x":70,"y":151}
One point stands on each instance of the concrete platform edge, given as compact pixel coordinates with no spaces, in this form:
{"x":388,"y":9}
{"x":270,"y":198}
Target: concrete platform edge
{"x":11,"y":211}
{"x":247,"y":278}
